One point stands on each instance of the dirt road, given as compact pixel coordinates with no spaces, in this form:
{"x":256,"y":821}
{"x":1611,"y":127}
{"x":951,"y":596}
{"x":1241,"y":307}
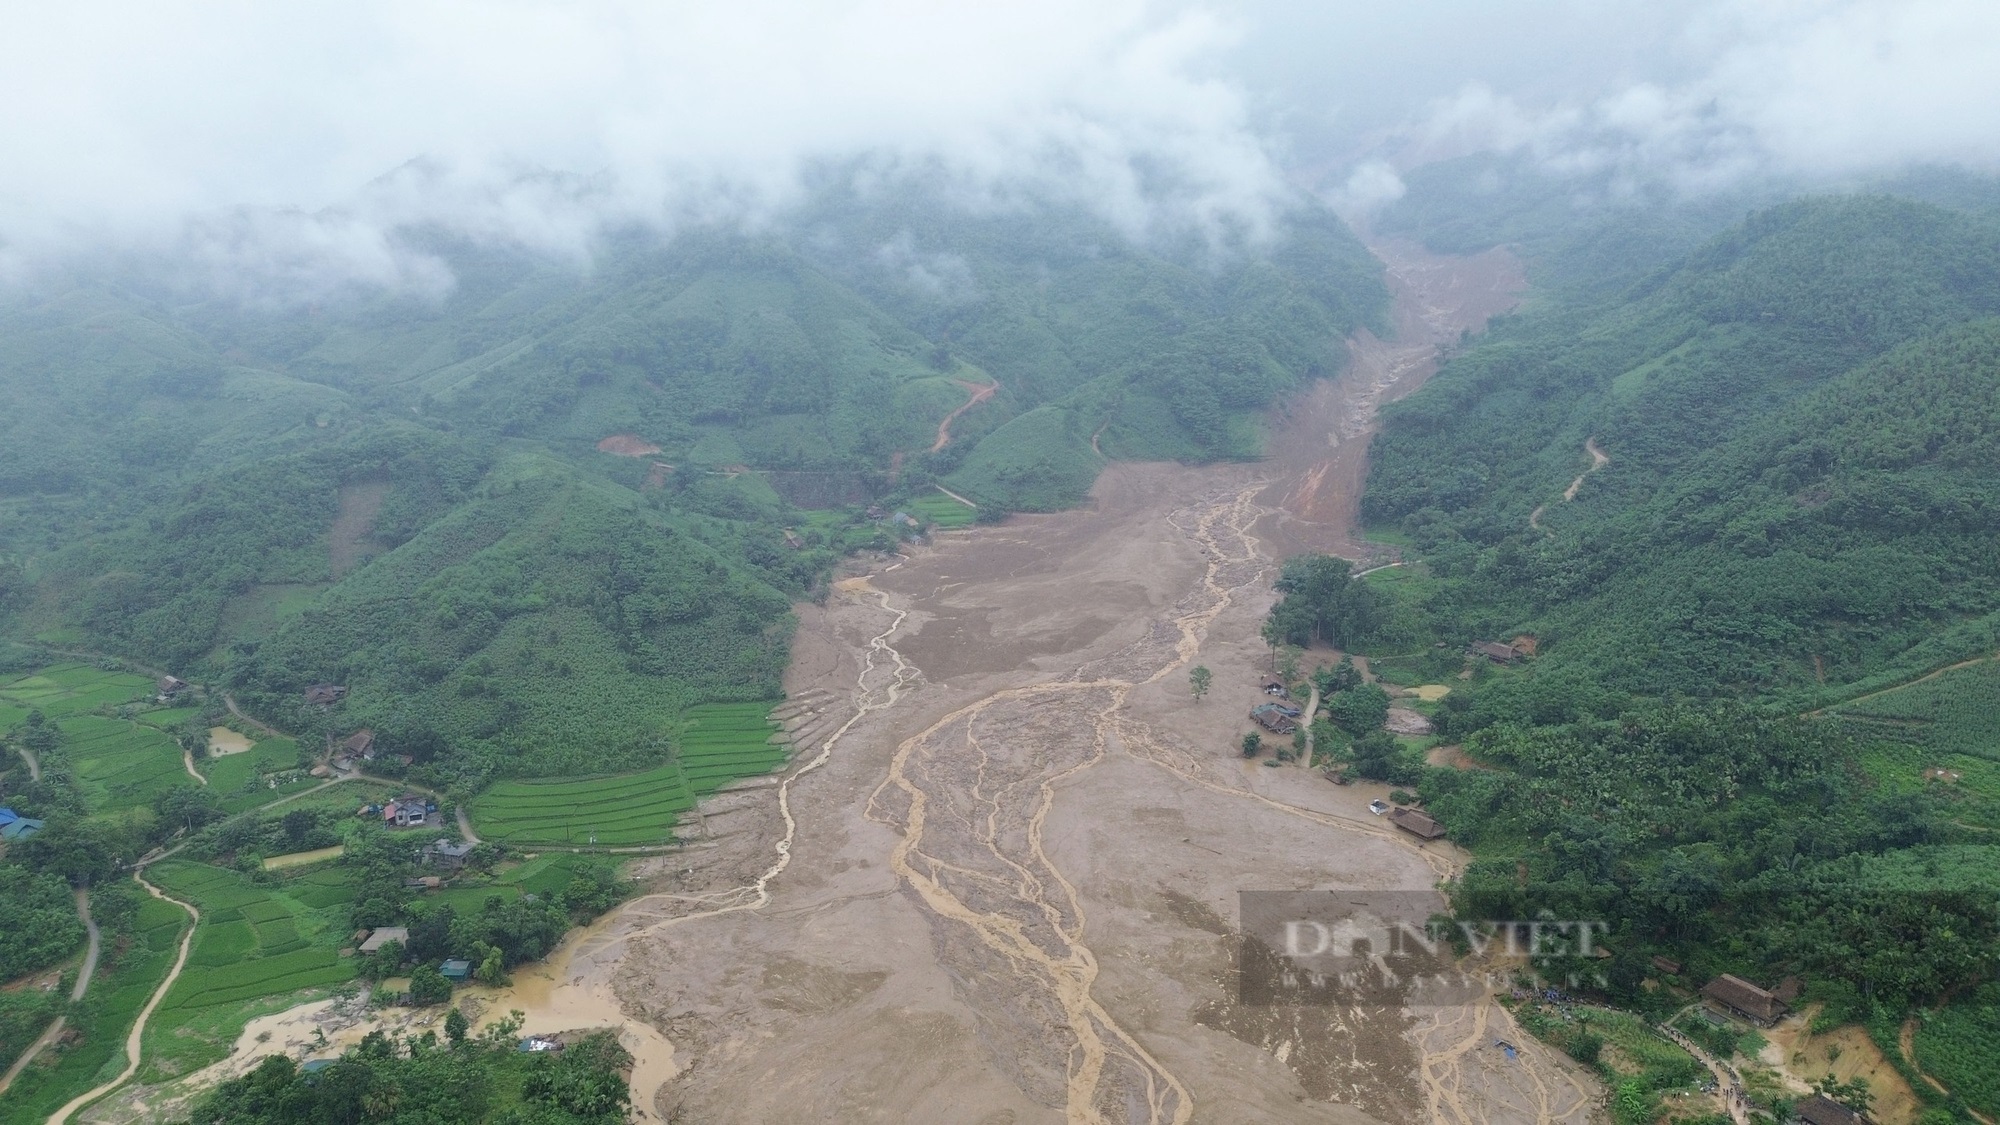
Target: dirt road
{"x":976,"y":394}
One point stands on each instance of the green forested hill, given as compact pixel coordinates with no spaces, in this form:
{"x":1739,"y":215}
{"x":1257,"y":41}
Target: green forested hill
{"x":1799,"y":419}
{"x":406,"y":494}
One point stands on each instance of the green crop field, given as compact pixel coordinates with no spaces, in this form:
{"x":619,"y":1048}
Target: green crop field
{"x":1947,"y":714}
{"x":239,"y":781}
{"x":122,"y":765}
{"x":1958,"y":1045}
{"x":724,"y":741}
{"x":257,"y":943}
{"x":70,"y":689}
{"x":942,"y":510}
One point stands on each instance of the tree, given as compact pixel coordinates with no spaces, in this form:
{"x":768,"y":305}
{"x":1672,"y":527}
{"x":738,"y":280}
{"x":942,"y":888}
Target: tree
{"x":428,"y":986}
{"x":456,"y":1026}
{"x":1252,"y":743}
{"x":1323,"y":603}
{"x":1199,"y":679}
{"x":1358,"y":710}
{"x":186,"y":807}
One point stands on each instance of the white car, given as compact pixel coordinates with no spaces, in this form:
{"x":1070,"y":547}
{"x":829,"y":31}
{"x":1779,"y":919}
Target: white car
{"x":1378,"y":807}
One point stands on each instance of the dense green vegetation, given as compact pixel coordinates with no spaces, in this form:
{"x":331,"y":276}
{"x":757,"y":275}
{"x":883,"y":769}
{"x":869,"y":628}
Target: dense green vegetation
{"x":1800,"y":421}
{"x":1958,"y":1045}
{"x":407,"y":496}
{"x":1726,"y":745}
{"x":1948,"y":714}
{"x":462,"y":1080}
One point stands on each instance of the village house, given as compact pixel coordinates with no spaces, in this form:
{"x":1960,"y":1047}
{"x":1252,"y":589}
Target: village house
{"x":383,"y":935}
{"x":360,"y":744}
{"x":455,"y":970}
{"x":1417,"y":823}
{"x":1738,"y":997}
{"x":407,"y":811}
{"x":1268,"y":716}
{"x":14,"y":826}
{"x":1494,"y":651}
{"x":449,"y":856}
{"x":170,"y":686}
{"x":325,"y":695}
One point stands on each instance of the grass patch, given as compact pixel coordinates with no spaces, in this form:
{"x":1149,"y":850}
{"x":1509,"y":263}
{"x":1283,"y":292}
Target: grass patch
{"x":1973,"y":799}
{"x":242,"y":781}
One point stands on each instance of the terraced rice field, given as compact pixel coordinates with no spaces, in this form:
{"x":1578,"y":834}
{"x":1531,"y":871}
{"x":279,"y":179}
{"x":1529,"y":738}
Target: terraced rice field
{"x":941,"y":510}
{"x":69,"y":689}
{"x":254,"y":942}
{"x":1950,"y":713}
{"x":122,"y":765}
{"x":724,"y":741}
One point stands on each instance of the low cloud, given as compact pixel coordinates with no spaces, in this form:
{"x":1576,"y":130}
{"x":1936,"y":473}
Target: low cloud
{"x":278,"y":144}
{"x":1804,"y":90}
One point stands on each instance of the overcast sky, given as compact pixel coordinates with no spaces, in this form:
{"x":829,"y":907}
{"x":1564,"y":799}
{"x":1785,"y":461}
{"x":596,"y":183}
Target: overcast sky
{"x":293,"y":136}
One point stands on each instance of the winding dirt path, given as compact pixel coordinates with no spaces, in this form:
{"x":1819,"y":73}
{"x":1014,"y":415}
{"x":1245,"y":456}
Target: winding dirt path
{"x":229,"y":701}
{"x":34,"y":763}
{"x":1598,"y":459}
{"x":138,"y":1033}
{"x":977,"y":394}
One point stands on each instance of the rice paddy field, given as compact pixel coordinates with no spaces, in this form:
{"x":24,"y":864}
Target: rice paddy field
{"x":723,"y":742}
{"x":941,"y":510}
{"x":68,"y":689}
{"x":257,"y":944}
{"x":121,"y":765}
{"x":1949,"y":713}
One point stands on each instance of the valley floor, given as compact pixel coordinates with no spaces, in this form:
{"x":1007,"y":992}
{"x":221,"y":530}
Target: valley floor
{"x":1000,"y":883}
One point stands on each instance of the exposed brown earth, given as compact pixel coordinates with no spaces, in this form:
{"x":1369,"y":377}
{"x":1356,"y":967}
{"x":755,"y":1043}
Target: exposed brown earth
{"x":627,"y":445}
{"x":976,"y":393}
{"x":352,"y":533}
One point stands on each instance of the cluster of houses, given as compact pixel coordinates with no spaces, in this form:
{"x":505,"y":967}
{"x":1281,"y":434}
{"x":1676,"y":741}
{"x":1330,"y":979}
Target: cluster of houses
{"x":14,"y":826}
{"x":411,"y":810}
